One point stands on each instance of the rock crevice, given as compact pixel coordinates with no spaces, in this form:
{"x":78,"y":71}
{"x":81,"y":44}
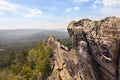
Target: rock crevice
{"x":97,"y":46}
{"x":118,"y":65}
{"x":95,"y":53}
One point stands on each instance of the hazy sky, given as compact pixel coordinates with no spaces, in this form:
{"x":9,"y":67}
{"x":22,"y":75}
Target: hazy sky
{"x":52,"y":14}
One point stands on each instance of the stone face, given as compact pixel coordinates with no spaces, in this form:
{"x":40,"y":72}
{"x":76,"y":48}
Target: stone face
{"x":95,"y":53}
{"x":98,"y":47}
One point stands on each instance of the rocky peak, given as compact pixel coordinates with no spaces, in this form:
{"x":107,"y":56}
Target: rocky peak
{"x":51,"y":38}
{"x":64,"y":63}
{"x":98,"y":47}
{"x":109,"y":25}
{"x":95,"y":54}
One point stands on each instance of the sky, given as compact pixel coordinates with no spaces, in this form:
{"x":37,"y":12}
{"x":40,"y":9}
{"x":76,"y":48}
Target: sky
{"x":53,"y":14}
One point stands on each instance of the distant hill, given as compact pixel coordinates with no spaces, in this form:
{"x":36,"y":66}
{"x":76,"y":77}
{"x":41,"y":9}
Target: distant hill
{"x":21,"y":38}
{"x":29,"y":34}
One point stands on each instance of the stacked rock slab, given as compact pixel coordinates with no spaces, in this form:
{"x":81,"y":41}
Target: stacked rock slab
{"x":64,"y":63}
{"x":98,"y":48}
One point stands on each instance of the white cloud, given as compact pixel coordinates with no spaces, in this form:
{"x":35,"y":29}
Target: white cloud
{"x":79,"y":1}
{"x":68,"y":9}
{"x":107,"y":7}
{"x":94,"y":6}
{"x":6,"y":6}
{"x":18,"y":9}
{"x":109,"y":3}
{"x":76,"y":8}
{"x":107,"y":11}
{"x":33,"y":13}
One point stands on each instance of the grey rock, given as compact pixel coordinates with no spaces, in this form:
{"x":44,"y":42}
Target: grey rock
{"x":65,"y":62}
{"x":98,"y":47}
{"x":95,"y":53}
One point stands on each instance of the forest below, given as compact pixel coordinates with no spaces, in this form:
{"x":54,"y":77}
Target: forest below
{"x":25,"y":60}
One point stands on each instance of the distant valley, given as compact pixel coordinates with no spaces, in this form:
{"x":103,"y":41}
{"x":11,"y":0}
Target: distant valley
{"x":26,"y":38}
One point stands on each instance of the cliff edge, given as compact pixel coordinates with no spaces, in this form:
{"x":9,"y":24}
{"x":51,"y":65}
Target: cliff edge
{"x":95,"y":53}
{"x":98,"y":47}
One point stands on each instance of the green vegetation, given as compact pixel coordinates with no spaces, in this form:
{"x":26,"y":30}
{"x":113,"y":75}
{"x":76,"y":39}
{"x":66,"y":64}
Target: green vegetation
{"x":27,"y":65}
{"x":20,"y":63}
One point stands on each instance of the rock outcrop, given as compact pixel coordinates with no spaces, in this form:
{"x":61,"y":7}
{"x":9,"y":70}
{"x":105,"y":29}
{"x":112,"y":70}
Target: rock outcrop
{"x":64,"y":63}
{"x":98,"y":47}
{"x":95,"y":53}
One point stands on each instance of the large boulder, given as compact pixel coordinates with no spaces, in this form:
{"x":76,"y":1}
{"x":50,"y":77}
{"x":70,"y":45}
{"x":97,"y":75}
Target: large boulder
{"x":97,"y":44}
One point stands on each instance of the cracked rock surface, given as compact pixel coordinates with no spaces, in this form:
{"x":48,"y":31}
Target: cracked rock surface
{"x":64,"y":62}
{"x":98,"y":47}
{"x":95,"y":53}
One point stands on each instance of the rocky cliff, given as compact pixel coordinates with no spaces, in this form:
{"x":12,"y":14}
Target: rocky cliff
{"x":64,"y":63}
{"x":98,"y":47}
{"x":95,"y":54}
